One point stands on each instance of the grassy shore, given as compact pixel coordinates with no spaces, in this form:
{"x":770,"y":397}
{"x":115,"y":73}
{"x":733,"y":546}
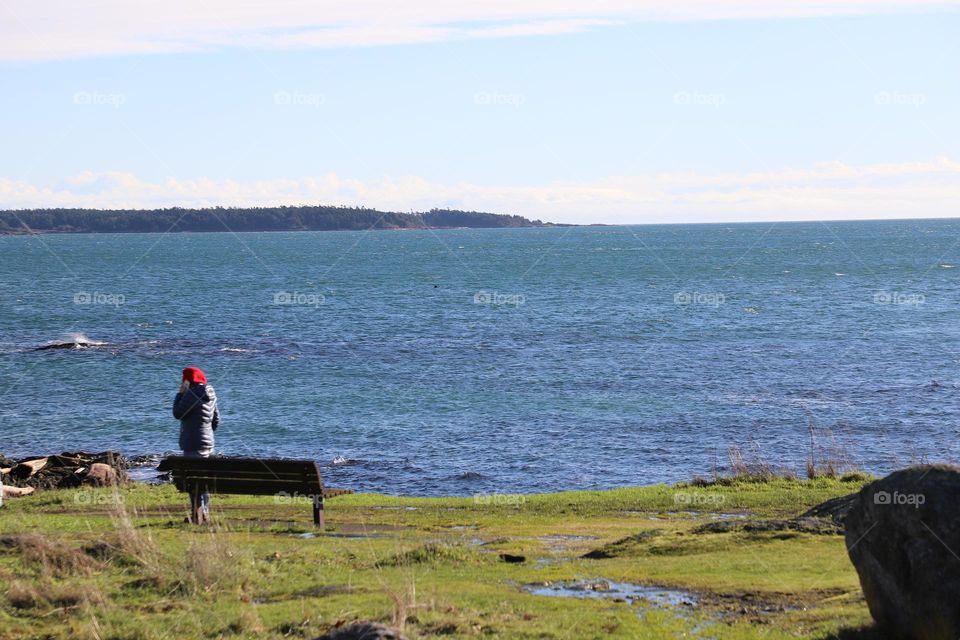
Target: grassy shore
{"x":121,"y":563}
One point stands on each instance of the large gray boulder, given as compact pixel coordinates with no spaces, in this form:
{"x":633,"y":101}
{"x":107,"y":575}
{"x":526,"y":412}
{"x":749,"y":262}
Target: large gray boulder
{"x":903,"y":536}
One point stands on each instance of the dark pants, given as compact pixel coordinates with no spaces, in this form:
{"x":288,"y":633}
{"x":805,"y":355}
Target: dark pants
{"x":204,"y":497}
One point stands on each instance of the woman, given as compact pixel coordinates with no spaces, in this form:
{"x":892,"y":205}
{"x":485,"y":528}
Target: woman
{"x":196,"y":408}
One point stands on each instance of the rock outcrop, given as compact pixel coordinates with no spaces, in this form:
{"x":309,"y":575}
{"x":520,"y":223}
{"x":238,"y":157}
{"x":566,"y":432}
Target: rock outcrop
{"x":836,"y":509}
{"x":903,"y":536}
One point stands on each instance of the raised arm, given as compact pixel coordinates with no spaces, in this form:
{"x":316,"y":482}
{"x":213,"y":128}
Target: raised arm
{"x":184,"y":403}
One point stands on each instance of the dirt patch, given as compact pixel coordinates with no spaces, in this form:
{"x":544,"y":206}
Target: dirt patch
{"x":815,"y":526}
{"x":321,"y":591}
{"x":434,"y":553}
{"x":622,"y":545}
{"x":757,"y":606}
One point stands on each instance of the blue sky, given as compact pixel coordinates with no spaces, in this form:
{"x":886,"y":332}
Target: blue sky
{"x":580,"y":115}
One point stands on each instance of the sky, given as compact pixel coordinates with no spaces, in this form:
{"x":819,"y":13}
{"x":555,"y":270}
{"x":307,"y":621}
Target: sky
{"x":607,"y":111}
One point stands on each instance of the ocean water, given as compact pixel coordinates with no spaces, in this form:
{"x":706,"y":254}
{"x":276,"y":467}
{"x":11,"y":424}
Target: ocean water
{"x":482,"y":361}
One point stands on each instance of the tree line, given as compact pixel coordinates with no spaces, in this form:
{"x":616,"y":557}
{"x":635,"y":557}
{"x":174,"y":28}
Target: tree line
{"x":285,"y":218}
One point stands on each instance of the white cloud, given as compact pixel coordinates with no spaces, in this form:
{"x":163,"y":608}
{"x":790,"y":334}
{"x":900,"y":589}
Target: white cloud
{"x":52,"y":29}
{"x":830,"y":190}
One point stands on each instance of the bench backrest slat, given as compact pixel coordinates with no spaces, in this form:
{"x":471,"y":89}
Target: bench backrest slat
{"x":239,"y":475}
{"x":249,"y":476}
{"x":227,"y":465}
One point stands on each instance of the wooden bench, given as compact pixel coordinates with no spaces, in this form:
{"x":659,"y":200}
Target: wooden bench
{"x":288,"y":479}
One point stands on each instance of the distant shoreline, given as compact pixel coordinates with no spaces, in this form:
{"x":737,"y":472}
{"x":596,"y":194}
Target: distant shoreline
{"x":60,"y":232}
{"x":251,"y":219}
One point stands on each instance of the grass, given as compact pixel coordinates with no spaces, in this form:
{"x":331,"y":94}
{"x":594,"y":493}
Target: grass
{"x":122,"y":564}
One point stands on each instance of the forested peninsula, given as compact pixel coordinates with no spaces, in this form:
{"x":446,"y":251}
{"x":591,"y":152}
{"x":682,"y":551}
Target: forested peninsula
{"x":237,"y":219}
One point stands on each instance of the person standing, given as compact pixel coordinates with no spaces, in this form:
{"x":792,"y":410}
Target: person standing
{"x":195,"y":406}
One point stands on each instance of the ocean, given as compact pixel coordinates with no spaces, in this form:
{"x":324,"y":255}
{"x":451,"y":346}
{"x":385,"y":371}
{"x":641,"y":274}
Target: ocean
{"x":495,"y":360}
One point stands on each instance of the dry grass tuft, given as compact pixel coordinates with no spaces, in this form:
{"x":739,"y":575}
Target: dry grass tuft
{"x":751,"y":467}
{"x":248,"y":623}
{"x":22,"y":595}
{"x":64,"y":595}
{"x":49,"y":556}
{"x":827,"y":457}
{"x":210,"y":565}
{"x":130,"y":545}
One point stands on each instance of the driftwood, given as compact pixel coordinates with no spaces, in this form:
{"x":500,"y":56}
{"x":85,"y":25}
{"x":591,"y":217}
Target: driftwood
{"x":16,"y":492}
{"x":67,"y":470}
{"x":28,"y":468}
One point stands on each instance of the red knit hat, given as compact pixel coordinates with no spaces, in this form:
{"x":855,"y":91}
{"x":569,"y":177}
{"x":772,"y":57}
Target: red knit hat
{"x":192,"y":374}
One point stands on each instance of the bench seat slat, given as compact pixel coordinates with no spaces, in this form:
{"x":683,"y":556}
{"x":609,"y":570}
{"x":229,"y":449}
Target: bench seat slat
{"x":248,"y":487}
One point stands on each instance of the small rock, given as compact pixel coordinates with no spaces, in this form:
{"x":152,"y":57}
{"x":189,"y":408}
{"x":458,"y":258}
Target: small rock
{"x":363,"y":631}
{"x":512,"y":559}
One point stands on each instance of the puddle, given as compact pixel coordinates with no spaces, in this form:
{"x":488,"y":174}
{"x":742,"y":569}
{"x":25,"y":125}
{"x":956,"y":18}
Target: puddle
{"x":694,"y":515}
{"x":349,"y":536}
{"x":551,"y":561}
{"x":608,"y":589}
{"x":558,"y":537}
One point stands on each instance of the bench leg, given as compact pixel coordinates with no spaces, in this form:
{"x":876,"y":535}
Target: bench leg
{"x":318,"y":511}
{"x":196,"y":507}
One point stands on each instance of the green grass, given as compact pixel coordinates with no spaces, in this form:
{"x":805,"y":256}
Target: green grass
{"x":122,"y":564}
